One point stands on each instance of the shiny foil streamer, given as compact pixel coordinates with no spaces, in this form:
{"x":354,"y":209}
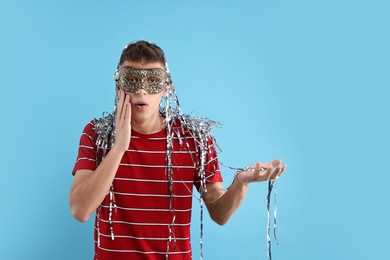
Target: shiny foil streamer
{"x":177,"y":122}
{"x":270,"y":187}
{"x":104,"y":127}
{"x":98,"y":225}
{"x":268,"y":201}
{"x":112,"y":206}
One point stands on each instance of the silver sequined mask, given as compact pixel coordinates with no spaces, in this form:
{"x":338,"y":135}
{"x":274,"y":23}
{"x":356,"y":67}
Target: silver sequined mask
{"x":131,"y":79}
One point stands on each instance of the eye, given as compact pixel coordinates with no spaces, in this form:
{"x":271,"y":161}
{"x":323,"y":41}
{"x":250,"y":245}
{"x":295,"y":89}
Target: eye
{"x":153,"y":80}
{"x":132,"y":79}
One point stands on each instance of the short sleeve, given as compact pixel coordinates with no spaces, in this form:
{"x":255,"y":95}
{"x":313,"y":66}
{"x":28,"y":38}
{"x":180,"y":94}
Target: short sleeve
{"x":212,"y":170}
{"x":86,"y":158}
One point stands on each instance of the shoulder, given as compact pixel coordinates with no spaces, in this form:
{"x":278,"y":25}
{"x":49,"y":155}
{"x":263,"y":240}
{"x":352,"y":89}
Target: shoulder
{"x":105,"y":123}
{"x":89,"y":129}
{"x":200,"y":127}
{"x":88,"y":136}
{"x":90,"y":125}
{"x":100,"y":126}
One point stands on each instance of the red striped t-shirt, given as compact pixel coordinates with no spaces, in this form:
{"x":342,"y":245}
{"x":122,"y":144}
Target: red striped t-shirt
{"x":142,"y":220}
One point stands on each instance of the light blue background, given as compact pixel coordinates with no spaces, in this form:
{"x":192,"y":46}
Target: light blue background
{"x":305,"y":81}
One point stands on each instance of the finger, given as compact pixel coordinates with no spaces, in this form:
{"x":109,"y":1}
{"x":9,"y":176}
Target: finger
{"x":260,"y":167}
{"x":277,"y":172}
{"x":283,"y":169}
{"x":125,"y":108}
{"x":120,"y":104}
{"x":276,"y":163}
{"x":128,"y":112}
{"x":257,"y":167}
{"x":266,"y":165}
{"x":126,"y":102}
{"x":273,"y":175}
{"x":268,"y":174}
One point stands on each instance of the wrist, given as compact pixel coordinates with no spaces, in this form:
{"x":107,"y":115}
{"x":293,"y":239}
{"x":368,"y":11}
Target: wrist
{"x":117,"y":149}
{"x":242,"y":183}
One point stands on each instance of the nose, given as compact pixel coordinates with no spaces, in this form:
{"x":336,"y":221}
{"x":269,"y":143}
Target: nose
{"x":141,"y":92}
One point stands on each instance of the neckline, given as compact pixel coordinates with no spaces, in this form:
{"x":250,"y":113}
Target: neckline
{"x":161,"y":133}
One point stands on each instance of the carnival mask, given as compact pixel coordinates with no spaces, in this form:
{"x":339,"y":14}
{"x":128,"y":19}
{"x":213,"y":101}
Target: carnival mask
{"x":131,"y":79}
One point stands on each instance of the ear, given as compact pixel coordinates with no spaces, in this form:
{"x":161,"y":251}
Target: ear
{"x":166,"y":90}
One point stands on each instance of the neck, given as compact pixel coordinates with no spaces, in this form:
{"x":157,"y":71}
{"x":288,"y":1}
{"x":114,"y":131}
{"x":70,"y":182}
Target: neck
{"x":148,"y":126}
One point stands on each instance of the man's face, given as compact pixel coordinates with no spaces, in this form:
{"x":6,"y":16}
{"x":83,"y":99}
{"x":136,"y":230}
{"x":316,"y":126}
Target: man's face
{"x":145,"y":97}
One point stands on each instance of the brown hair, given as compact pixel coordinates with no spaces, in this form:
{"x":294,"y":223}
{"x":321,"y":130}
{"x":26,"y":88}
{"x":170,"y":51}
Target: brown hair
{"x":142,"y":51}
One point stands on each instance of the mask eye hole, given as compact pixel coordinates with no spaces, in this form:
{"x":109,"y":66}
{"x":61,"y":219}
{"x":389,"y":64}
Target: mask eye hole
{"x":153,"y":80}
{"x":132,"y":79}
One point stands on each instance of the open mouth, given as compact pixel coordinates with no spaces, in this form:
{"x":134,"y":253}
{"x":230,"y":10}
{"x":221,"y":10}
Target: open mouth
{"x":141,"y":105}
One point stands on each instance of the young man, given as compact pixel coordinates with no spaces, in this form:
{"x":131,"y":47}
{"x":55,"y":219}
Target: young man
{"x":137,"y":167}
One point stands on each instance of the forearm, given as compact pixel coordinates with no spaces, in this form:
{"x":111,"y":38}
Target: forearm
{"x":222,"y":205}
{"x":90,"y":188}
{"x":222,"y":208}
